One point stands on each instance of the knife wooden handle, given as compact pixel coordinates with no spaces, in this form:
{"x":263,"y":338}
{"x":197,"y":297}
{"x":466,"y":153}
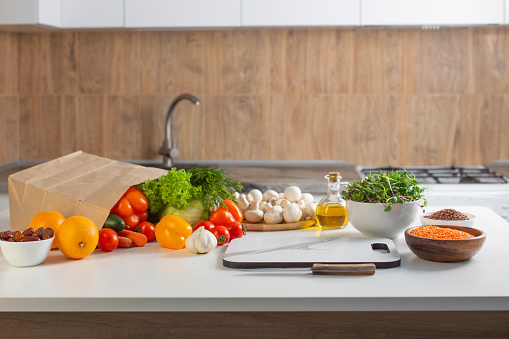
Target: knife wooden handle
{"x":343,"y":269}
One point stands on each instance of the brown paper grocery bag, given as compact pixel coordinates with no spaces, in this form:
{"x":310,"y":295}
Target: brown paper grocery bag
{"x":75,"y":184}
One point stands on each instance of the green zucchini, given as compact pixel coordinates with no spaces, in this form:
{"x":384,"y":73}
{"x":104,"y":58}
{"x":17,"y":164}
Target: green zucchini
{"x":114,"y":222}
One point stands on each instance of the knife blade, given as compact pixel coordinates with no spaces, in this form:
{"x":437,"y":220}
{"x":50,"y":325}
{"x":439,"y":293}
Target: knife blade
{"x":322,"y":269}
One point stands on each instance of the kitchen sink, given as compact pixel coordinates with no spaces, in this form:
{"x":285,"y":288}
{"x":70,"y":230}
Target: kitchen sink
{"x":260,"y":174}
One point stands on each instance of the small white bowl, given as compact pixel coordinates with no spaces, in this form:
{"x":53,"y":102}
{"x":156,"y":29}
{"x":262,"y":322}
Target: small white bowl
{"x":467,"y":223}
{"x":371,"y":220}
{"x":23,"y":254}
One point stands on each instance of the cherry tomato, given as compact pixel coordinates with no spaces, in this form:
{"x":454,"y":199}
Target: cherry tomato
{"x":236,"y":229}
{"x":221,"y":217}
{"x":123,"y":208}
{"x":137,"y":199}
{"x":108,"y":239}
{"x":131,"y":222}
{"x":142,"y":216}
{"x":222,"y":235}
{"x":206,"y":224}
{"x":233,"y":209}
{"x":148,"y":229}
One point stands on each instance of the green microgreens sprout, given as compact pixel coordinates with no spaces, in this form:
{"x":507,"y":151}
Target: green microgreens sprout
{"x":388,"y":188}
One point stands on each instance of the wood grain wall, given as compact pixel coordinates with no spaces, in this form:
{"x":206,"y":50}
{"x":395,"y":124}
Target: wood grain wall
{"x":397,"y":96}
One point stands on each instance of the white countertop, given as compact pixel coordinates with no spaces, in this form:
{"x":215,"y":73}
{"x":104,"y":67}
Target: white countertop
{"x":153,"y":278}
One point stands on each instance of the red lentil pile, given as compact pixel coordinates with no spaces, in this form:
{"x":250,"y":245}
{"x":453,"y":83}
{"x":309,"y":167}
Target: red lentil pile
{"x":435,"y":232}
{"x":447,"y":214}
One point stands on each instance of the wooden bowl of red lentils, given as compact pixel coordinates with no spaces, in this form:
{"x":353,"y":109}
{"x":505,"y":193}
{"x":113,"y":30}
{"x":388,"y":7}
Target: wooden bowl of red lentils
{"x":444,"y":243}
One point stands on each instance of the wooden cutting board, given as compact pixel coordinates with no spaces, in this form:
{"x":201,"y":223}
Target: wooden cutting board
{"x":262,"y":227}
{"x":287,"y":252}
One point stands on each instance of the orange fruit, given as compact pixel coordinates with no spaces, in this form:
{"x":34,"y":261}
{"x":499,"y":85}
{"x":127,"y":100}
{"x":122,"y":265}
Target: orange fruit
{"x":48,"y":219}
{"x":77,"y":237}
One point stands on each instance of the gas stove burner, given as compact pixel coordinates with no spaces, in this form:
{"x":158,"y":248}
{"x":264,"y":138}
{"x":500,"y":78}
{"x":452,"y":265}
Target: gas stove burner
{"x":447,"y":175}
{"x":469,"y":179}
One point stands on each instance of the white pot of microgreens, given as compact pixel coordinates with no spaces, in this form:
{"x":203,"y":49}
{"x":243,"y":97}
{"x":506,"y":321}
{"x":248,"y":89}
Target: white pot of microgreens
{"x":384,"y":205}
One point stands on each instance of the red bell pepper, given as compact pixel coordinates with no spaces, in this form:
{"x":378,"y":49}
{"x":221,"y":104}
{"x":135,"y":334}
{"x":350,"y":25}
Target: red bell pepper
{"x":132,"y":208}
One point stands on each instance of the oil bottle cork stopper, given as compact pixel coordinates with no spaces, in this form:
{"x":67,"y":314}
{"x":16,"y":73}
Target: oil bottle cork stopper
{"x":334,"y":176}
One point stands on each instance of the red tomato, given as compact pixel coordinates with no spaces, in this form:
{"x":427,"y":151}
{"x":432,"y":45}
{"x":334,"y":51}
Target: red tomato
{"x":148,"y":229}
{"x":123,"y":208}
{"x":222,"y":235}
{"x":221,"y":217}
{"x":142,"y":216}
{"x":108,"y":239}
{"x":236,"y":229}
{"x":137,"y":199}
{"x":131,"y":222}
{"x":206,"y":224}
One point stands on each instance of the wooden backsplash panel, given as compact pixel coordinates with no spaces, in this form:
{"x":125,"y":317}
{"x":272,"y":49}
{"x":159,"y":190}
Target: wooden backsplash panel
{"x":9,"y":127}
{"x":481,"y":126}
{"x":8,"y":63}
{"x":91,"y":132}
{"x":153,"y":111}
{"x":303,"y":125}
{"x":377,"y":61}
{"x":489,"y":66}
{"x":430,"y":133}
{"x":171,"y":63}
{"x":236,"y":62}
{"x":48,"y":125}
{"x":122,"y":127}
{"x":9,"y":117}
{"x":389,"y":96}
{"x":236,"y":127}
{"x":436,"y":61}
{"x":47,"y":64}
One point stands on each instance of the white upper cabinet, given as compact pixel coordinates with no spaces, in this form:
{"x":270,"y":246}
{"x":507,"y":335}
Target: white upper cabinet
{"x":30,"y":12}
{"x":256,"y":13}
{"x":20,"y":12}
{"x":432,"y":12}
{"x":506,"y":12}
{"x":92,"y":13}
{"x":182,"y":13}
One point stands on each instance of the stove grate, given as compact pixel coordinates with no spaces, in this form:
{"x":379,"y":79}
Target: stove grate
{"x":448,"y":175}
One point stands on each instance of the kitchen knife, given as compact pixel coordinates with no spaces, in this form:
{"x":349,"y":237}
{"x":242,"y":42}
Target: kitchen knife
{"x":322,"y":269}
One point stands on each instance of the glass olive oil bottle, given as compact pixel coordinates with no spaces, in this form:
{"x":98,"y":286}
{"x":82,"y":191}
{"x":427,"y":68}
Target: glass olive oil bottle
{"x":331,"y":210}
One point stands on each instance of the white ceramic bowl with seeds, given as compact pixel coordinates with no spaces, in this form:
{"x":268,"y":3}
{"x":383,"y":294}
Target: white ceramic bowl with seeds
{"x":439,"y":222}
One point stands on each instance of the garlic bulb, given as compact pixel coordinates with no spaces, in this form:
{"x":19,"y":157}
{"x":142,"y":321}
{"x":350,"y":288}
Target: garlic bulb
{"x":201,"y":241}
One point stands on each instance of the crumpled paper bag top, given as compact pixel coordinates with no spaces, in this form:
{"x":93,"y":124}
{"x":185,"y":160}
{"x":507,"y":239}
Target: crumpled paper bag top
{"x":76,"y":184}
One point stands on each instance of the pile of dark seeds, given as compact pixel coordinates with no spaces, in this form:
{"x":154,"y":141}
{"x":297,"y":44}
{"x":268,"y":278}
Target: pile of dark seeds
{"x":447,"y":214}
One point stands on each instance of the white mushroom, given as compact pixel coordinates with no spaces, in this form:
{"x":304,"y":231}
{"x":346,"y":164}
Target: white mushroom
{"x":292,"y":213}
{"x":293,"y":193}
{"x":283,"y":202}
{"x":254,"y":213}
{"x":274,"y":215}
{"x":307,"y":197}
{"x":265,"y":206}
{"x":311,"y":210}
{"x":242,"y":202}
{"x":269,"y":195}
{"x":281,"y":195}
{"x":256,"y":194}
{"x":302,"y":206}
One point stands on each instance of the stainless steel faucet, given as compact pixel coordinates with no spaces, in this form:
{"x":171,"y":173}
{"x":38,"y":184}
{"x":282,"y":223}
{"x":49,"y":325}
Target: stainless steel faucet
{"x":168,"y":151}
